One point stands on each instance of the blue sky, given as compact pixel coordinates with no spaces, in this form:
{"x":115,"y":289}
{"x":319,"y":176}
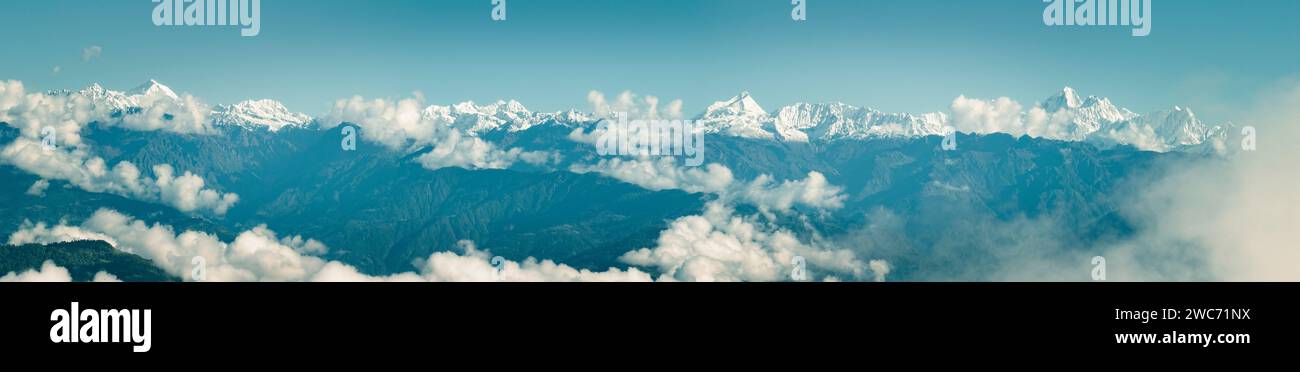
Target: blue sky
{"x":894,"y":55}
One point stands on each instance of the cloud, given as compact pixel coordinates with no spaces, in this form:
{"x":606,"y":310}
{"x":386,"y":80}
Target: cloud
{"x":663,"y":173}
{"x":458,"y":150}
{"x":636,"y":107}
{"x":60,"y":118}
{"x":720,"y":246}
{"x":1194,"y":218}
{"x":814,"y":191}
{"x":1002,"y":115}
{"x":105,"y":277}
{"x":48,"y":273}
{"x":474,"y":265}
{"x":38,"y":188}
{"x":11,"y":94}
{"x":1139,"y":136}
{"x":880,"y":269}
{"x":259,"y":254}
{"x":33,"y":113}
{"x":91,"y":53}
{"x":52,"y":273}
{"x":402,"y":126}
{"x":186,"y":193}
{"x":184,"y":114}
{"x":1243,"y":210}
{"x":56,"y":71}
{"x":70,"y":113}
{"x":396,"y":125}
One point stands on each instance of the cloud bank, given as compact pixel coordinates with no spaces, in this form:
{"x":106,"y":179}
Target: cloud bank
{"x":402,"y":126}
{"x":47,"y":273}
{"x":720,"y":246}
{"x":663,"y":173}
{"x":1244,"y":211}
{"x":59,"y":119}
{"x":259,"y":254}
{"x":636,"y":107}
{"x":186,"y":192}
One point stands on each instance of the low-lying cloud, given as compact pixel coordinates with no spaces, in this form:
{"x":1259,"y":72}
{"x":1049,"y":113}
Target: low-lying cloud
{"x":50,"y":146}
{"x":259,"y":254}
{"x":402,"y":126}
{"x":664,"y":173}
{"x":635,"y":106}
{"x":185,"y":192}
{"x":718,"y":245}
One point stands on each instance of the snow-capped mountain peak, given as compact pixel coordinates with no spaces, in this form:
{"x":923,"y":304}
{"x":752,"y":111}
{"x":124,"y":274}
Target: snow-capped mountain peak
{"x":1066,"y":99}
{"x":742,"y":104}
{"x":1080,"y":117}
{"x":832,"y":121}
{"x":474,"y":119}
{"x":266,"y":113}
{"x":511,"y":106}
{"x":104,"y":99}
{"x":153,"y":88}
{"x":739,"y":116}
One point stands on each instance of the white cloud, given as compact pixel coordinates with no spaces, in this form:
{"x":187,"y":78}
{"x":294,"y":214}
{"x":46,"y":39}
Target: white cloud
{"x":56,"y":71}
{"x":402,"y":126}
{"x":260,"y":255}
{"x":475,"y":265}
{"x":32,"y":113}
{"x":813,"y":191}
{"x":1002,"y":115}
{"x":105,"y":277}
{"x":395,"y":125}
{"x":636,"y":107}
{"x":91,"y":53}
{"x":71,"y":160}
{"x":880,"y":268}
{"x":719,"y":246}
{"x":69,"y":113}
{"x":38,"y":188}
{"x":186,"y":193}
{"x":1242,"y":211}
{"x":51,"y":273}
{"x":663,"y":173}
{"x":1139,"y":136}
{"x":184,"y":114}
{"x":458,"y":150}
{"x":11,"y":94}
{"x":48,"y":272}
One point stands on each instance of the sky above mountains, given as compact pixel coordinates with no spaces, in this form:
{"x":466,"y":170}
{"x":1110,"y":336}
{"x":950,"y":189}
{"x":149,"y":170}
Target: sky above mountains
{"x":898,"y":56}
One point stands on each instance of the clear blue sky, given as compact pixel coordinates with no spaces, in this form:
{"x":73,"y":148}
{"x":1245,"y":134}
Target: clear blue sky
{"x":894,"y":55}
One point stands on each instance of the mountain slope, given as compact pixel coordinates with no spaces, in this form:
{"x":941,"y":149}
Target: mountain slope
{"x":83,"y":259}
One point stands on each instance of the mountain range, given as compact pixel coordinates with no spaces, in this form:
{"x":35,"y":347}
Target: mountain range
{"x":1072,"y":118}
{"x":931,"y":213}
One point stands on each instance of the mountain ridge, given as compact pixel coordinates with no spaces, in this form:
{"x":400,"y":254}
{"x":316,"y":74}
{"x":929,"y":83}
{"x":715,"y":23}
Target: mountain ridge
{"x":1074,"y":117}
